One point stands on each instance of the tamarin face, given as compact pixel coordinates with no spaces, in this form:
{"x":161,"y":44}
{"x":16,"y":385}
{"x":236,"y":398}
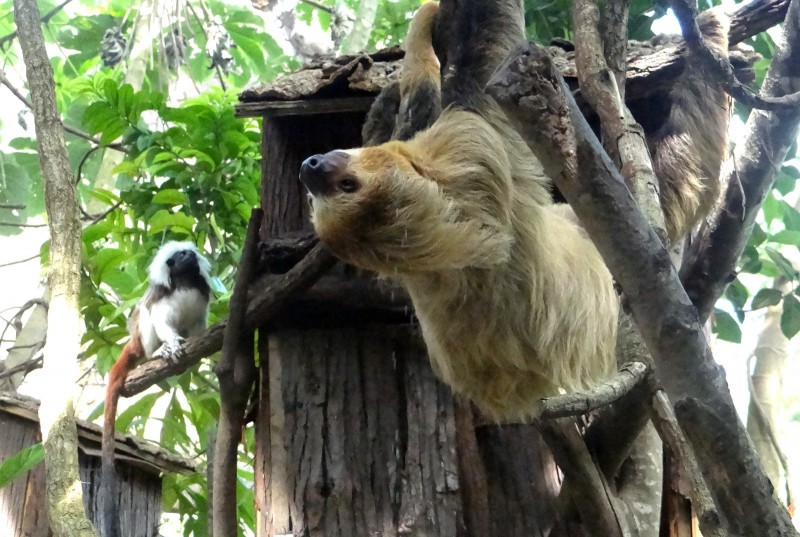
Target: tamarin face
{"x":366,"y":203}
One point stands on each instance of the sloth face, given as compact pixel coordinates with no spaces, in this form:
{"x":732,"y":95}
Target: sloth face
{"x":361,"y":199}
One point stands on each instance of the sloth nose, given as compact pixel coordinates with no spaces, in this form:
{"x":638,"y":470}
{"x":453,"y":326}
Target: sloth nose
{"x":319,"y":172}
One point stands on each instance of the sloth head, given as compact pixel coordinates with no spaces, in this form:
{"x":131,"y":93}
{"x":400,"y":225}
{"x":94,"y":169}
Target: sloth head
{"x":384,"y":209}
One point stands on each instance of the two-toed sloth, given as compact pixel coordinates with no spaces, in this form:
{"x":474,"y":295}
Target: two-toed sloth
{"x":513,"y":299}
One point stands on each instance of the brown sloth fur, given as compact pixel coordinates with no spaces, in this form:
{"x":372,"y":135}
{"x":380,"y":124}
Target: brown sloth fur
{"x":514,"y":301}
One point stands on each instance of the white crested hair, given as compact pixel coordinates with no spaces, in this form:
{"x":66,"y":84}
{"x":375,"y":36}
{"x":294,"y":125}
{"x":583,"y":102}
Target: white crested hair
{"x":159,"y":271}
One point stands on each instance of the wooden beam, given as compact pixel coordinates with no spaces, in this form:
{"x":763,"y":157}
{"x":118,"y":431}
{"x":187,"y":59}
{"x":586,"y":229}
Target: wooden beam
{"x":304,"y":107}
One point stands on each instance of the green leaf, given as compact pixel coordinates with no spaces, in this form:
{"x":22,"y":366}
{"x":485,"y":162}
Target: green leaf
{"x":737,"y":293}
{"x":787,"y":180}
{"x":787,"y":236}
{"x":771,"y":208}
{"x":19,"y":463}
{"x":783,"y":264}
{"x":765,"y":298}
{"x":175,"y":222}
{"x":750,"y":261}
{"x":121,"y":282}
{"x":726,"y":327}
{"x":106,"y":260}
{"x":140,"y":409}
{"x":171,"y":197}
{"x":757,"y":236}
{"x":790,"y":319}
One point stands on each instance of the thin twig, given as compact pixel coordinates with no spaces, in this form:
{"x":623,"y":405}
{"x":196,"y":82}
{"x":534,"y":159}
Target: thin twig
{"x":13,"y":207}
{"x":318,"y":5}
{"x":25,"y":367}
{"x":45,"y":19}
{"x":205,"y":34}
{"x":31,"y":258}
{"x":80,"y":134}
{"x":14,"y":224}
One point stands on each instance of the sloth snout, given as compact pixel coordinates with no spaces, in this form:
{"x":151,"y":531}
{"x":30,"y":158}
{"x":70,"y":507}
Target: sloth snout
{"x":319,"y":172}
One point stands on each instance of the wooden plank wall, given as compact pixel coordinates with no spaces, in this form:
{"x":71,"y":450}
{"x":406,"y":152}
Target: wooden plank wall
{"x":22,"y":502}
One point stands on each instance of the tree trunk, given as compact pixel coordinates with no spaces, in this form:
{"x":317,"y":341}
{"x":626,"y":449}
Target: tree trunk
{"x":359,"y":36}
{"x":57,"y":413}
{"x":766,"y":395}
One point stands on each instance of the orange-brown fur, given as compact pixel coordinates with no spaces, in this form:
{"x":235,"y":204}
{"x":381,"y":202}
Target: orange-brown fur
{"x":420,"y":84}
{"x":420,"y":62}
{"x":132,"y":354}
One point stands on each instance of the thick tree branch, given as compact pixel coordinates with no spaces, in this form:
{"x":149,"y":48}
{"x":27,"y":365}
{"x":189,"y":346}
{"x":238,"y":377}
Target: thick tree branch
{"x":755,"y":17}
{"x":666,"y":424}
{"x":269,"y":295}
{"x":666,"y":317}
{"x":236,"y":372}
{"x":600,"y":513}
{"x":624,"y":135}
{"x":711,"y":260}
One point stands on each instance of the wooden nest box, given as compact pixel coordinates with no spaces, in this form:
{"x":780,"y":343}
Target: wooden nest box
{"x":23,"y":512}
{"x":355,"y":436}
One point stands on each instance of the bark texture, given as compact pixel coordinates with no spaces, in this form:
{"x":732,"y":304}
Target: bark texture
{"x":236,"y":372}
{"x":666,"y":317}
{"x":361,"y":438}
{"x":57,"y":413}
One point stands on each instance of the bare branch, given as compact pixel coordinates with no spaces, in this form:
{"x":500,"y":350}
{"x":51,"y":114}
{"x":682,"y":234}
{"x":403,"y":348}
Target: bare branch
{"x":15,"y":224}
{"x":79,"y":133}
{"x":720,"y":68}
{"x":19,"y":261}
{"x":270,"y":294}
{"x":318,"y":5}
{"x":25,"y":367}
{"x":624,"y":136}
{"x":575,"y":404}
{"x":236,"y":371}
{"x":590,"y":489}
{"x":666,"y":424}
{"x":668,"y":322}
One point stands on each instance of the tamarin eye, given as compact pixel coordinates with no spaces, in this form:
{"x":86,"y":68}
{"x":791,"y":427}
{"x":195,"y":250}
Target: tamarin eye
{"x":348,"y":185}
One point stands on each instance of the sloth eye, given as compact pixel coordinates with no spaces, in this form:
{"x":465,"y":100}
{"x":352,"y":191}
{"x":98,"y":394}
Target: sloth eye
{"x":348,"y":185}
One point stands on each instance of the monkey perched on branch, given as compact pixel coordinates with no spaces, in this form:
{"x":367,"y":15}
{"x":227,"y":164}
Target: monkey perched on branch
{"x":174,"y":308}
{"x":513,"y":299}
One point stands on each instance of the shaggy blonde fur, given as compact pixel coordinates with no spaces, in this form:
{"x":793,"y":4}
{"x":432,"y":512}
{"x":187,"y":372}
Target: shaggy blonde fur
{"x":513,"y":300}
